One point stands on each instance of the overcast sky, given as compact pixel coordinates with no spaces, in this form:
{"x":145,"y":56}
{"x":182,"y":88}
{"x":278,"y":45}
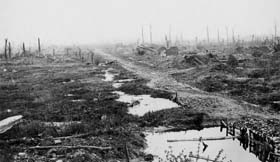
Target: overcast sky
{"x":91,"y":21}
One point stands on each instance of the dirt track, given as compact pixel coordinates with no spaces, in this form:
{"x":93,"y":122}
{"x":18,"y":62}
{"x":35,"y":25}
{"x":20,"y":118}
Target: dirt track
{"x":215,"y":106}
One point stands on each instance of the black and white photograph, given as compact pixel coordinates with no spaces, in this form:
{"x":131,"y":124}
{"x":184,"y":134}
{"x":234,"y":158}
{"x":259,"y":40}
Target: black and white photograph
{"x":139,"y":80}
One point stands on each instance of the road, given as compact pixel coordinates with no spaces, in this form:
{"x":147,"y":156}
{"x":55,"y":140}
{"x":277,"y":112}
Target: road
{"x":216,"y":106}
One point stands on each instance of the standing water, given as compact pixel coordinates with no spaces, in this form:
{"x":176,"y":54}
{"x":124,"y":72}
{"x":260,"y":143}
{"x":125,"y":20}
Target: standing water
{"x":141,"y":104}
{"x":108,"y":76}
{"x":157,"y":145}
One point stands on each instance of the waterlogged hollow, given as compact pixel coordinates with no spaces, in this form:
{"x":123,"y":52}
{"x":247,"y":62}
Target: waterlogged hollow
{"x":117,"y":85}
{"x":157,"y":144}
{"x":108,"y":76}
{"x":141,"y":104}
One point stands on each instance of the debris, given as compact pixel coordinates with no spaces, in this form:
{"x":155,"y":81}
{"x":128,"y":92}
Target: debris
{"x":57,"y":141}
{"x":72,"y":147}
{"x":204,"y":139}
{"x":149,"y":157}
{"x":22,"y":154}
{"x":74,"y":136}
{"x":9,"y":122}
{"x":172,"y":51}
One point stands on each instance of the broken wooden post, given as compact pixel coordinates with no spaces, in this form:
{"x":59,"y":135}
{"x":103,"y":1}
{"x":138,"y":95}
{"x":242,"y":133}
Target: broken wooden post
{"x":5,"y":50}
{"x":10,"y":50}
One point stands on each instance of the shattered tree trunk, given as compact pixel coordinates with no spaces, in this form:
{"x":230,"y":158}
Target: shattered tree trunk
{"x":23,"y":49}
{"x":10,"y":50}
{"x":91,"y":56}
{"x":5,"y":50}
{"x":80,"y":53}
{"x":39,"y":46}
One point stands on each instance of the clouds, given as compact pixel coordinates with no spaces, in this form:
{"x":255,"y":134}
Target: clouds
{"x":90,"y":21}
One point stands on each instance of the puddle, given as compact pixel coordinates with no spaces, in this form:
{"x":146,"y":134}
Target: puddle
{"x":157,"y":144}
{"x":125,"y":80}
{"x":68,"y":81}
{"x":109,"y":76}
{"x":117,"y":85}
{"x":69,"y":95}
{"x":142,"y":104}
{"x":78,"y":100}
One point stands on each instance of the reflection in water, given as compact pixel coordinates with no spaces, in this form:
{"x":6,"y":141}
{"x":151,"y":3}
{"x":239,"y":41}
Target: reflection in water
{"x":259,"y":144}
{"x":157,"y":144}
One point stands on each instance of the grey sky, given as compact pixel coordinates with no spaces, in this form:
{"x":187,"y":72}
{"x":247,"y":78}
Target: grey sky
{"x":91,"y":21}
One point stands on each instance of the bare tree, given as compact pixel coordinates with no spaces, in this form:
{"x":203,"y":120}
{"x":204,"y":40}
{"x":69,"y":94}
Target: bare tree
{"x":207,"y":32}
{"x":143,"y":41}
{"x":151,"y":35}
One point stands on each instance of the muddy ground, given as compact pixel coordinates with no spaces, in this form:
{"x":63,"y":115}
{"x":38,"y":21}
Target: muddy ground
{"x":61,"y":98}
{"x":66,"y":98}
